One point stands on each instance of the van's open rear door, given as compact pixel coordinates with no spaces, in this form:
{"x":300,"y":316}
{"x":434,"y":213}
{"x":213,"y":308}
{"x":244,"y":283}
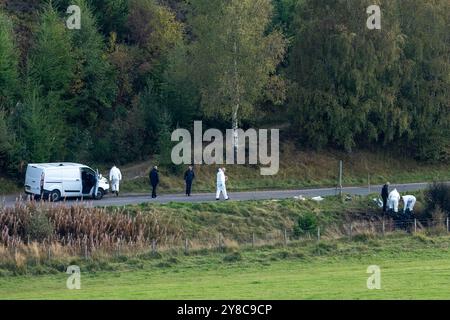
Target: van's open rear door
{"x":34,"y":180}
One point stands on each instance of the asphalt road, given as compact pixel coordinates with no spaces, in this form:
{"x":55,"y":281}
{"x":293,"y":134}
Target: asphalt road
{"x":123,"y":200}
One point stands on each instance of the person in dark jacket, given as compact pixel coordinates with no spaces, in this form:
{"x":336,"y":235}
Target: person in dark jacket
{"x":189,"y":176}
{"x":154,"y":180}
{"x":385,"y":195}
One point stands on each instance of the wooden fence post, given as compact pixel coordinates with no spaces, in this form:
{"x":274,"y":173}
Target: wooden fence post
{"x":186,"y":246}
{"x":340,"y":177}
{"x":285,"y":237}
{"x":85,"y":250}
{"x":253,"y":240}
{"x":351,"y":230}
{"x":415,"y":225}
{"x":318,"y":233}
{"x":153,"y":246}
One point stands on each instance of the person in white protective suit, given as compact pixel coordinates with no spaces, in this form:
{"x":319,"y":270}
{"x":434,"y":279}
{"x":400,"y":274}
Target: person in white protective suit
{"x":115,"y":176}
{"x":408,"y":203}
{"x":221,"y":181}
{"x":393,"y":200}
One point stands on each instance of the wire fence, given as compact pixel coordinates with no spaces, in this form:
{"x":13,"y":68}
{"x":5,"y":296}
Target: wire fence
{"x":349,"y":230}
{"x":97,"y":232}
{"x":352,"y":230}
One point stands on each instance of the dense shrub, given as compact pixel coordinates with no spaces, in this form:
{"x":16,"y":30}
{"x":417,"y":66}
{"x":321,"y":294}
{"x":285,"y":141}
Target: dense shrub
{"x":40,"y":227}
{"x":306,"y":224}
{"x":437,"y":197}
{"x":233,"y":257}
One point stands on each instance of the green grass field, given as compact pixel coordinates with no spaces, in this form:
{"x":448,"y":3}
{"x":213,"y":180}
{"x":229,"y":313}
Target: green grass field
{"x":412,"y":267}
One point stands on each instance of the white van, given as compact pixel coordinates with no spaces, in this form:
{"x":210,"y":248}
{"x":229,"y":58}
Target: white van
{"x":56,"y":181}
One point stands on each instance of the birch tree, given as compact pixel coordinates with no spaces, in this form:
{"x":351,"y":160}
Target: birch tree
{"x":233,"y":55}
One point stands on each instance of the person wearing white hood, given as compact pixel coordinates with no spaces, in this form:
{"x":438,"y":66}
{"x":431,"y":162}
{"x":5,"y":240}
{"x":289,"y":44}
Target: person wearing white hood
{"x":409,"y":202}
{"x":221,"y":187}
{"x":393,"y":200}
{"x":115,"y":176}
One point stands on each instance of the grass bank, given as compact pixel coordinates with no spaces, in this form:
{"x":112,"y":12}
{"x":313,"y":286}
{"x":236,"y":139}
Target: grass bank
{"x":41,"y":239}
{"x":412,"y":267}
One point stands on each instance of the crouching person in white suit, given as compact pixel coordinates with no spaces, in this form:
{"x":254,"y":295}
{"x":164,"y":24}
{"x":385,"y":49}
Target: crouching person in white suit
{"x":393,"y":200}
{"x":221,"y":187}
{"x":115,"y":176}
{"x":408,"y":203}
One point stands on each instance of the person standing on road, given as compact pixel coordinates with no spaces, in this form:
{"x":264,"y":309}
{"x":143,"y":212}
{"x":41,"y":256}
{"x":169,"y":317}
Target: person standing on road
{"x":221,"y":187}
{"x":154,"y":180}
{"x":385,"y":195}
{"x":189,"y":177}
{"x":115,"y":176}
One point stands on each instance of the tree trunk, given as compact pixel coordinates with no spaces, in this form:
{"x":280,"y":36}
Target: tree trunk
{"x":235,"y":119}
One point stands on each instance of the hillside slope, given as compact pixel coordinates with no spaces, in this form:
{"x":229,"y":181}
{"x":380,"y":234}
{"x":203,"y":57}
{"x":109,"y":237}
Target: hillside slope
{"x":298,"y":169}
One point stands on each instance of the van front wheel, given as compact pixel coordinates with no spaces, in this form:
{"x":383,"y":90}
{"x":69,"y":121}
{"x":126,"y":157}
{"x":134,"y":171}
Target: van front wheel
{"x":100,"y":194}
{"x":55,"y":196}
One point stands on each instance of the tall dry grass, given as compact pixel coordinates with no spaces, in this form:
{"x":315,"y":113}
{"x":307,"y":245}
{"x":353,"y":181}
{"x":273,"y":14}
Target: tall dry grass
{"x":80,"y":228}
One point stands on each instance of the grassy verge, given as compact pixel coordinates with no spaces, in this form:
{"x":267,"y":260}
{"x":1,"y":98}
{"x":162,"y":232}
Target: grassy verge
{"x":411,"y":268}
{"x":238,"y":220}
{"x":8,"y":186}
